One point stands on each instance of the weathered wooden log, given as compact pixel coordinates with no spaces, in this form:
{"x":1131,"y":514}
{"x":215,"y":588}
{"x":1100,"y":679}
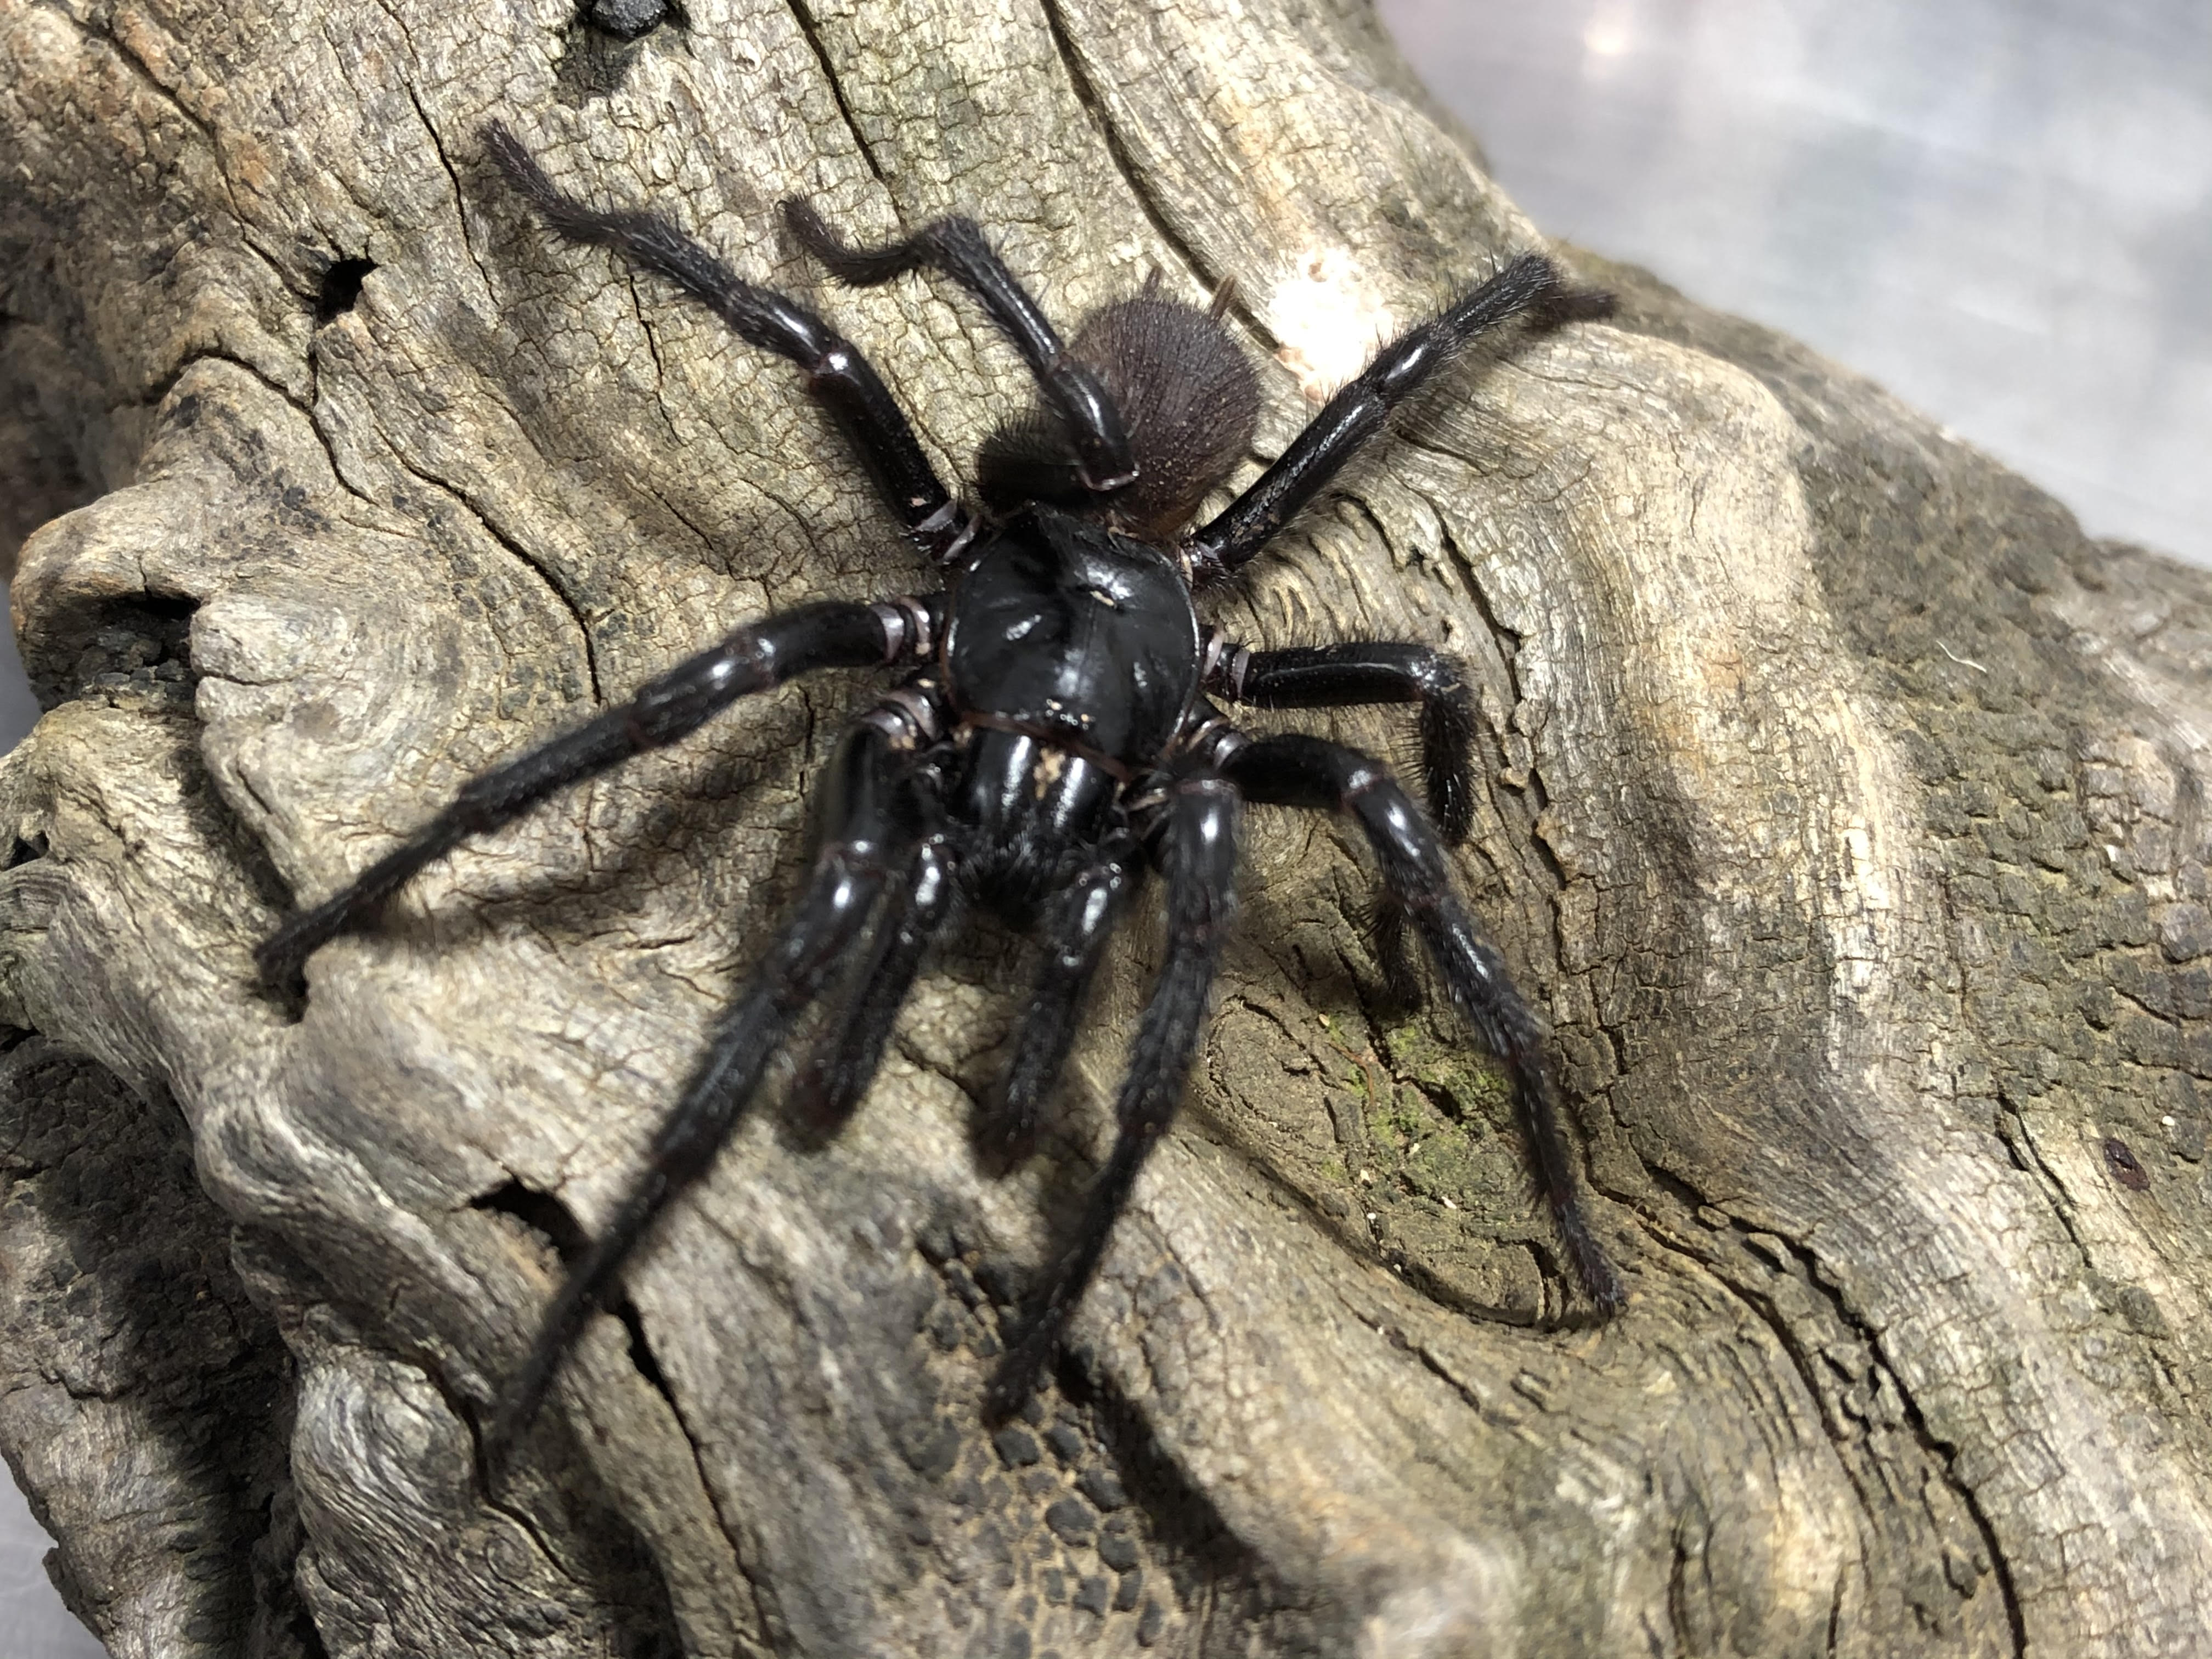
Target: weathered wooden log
{"x":1844,"y":808}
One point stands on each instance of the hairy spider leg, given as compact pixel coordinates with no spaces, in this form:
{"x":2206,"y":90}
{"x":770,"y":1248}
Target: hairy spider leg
{"x":862,"y":839}
{"x":1374,"y":671}
{"x":959,"y":249}
{"x":1532,"y":286}
{"x":837,"y":373}
{"x":834,"y":634}
{"x":1377,"y":671}
{"x":845,"y":1062}
{"x":1297,"y":770}
{"x":1194,"y":847}
{"x":1077,"y":928}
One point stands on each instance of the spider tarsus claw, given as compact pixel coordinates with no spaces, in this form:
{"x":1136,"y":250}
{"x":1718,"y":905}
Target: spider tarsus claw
{"x":1454,"y":817}
{"x":1601,"y":1280}
{"x":1605,"y":1288}
{"x":1573,"y":304}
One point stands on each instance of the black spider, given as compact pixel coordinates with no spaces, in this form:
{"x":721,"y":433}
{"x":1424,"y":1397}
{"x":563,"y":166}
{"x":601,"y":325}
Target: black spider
{"x":1055,"y":735}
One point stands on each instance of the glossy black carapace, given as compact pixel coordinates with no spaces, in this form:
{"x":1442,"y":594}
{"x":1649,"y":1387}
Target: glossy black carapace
{"x":1054,"y":736}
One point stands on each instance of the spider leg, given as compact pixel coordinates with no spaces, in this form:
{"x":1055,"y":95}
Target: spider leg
{"x":1387,"y":924}
{"x":1076,"y":931}
{"x":832,"y":634}
{"x":852,"y":868}
{"x":836,"y":373}
{"x":1368,"y":671}
{"x":960,"y":250}
{"x":844,"y":1063}
{"x":1531,"y":285}
{"x":1297,"y":770}
{"x":1195,"y":845}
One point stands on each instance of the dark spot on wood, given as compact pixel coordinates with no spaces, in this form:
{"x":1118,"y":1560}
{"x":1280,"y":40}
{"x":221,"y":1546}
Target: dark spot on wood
{"x":1071,"y":1521}
{"x":641,"y":1350}
{"x":1150,"y":1624}
{"x":1118,"y":1550}
{"x":2126,"y":1168}
{"x":626,"y":19}
{"x":932,"y":1447}
{"x":342,"y":280}
{"x":136,"y":648}
{"x":944,"y":1327}
{"x":1104,"y":1488}
{"x":543,"y":1213}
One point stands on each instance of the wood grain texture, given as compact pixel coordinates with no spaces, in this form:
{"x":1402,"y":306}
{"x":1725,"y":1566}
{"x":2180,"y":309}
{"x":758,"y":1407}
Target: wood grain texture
{"x":1844,"y":809}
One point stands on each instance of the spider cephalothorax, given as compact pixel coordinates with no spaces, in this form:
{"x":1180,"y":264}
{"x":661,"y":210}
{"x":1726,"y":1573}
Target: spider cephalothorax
{"x":1056,"y":733}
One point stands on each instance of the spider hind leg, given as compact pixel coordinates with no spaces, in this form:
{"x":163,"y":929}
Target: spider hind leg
{"x":958,"y":247}
{"x":1297,"y":770}
{"x":1191,"y":400}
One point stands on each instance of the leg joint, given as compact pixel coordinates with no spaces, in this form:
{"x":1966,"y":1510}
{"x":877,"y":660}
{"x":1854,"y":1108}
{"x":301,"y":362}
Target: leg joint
{"x":1224,"y":665}
{"x":908,"y":717}
{"x":909,"y":629}
{"x":1211,"y":743}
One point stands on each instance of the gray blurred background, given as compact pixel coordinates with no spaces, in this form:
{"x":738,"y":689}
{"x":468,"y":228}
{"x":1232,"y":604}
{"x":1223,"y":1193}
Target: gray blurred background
{"x":2000,"y":208}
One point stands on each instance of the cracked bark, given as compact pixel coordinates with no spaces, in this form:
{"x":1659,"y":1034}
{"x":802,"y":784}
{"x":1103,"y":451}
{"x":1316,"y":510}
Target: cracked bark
{"x":1844,"y":812}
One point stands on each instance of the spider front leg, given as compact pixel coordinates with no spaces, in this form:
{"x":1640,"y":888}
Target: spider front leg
{"x":1076,"y":931}
{"x":1531,"y":286}
{"x":836,"y":372}
{"x":1304,"y":771}
{"x":956,"y":247}
{"x":826,"y":1092}
{"x":862,"y":817}
{"x":1194,"y":846}
{"x":833,"y":634}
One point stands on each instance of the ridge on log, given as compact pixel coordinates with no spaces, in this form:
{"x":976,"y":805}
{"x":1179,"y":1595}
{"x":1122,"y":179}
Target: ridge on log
{"x":1843,"y":807}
